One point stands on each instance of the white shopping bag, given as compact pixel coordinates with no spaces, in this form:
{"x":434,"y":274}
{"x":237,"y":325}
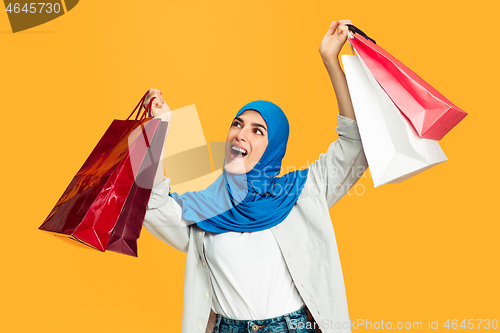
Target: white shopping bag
{"x":393,"y":149}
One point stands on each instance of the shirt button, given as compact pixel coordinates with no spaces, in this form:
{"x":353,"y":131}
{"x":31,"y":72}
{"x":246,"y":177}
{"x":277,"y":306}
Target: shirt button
{"x":199,"y":233}
{"x":207,"y":295}
{"x":200,"y":327}
{"x":205,"y":264}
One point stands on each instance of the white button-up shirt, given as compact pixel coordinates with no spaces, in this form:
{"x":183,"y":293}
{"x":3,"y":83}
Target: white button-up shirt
{"x":306,"y":238}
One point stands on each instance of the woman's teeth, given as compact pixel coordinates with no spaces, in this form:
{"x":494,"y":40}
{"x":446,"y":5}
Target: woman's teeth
{"x":239,"y":150}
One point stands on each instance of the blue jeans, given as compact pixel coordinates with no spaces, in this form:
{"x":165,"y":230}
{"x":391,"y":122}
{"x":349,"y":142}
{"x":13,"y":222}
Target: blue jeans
{"x":294,"y":322}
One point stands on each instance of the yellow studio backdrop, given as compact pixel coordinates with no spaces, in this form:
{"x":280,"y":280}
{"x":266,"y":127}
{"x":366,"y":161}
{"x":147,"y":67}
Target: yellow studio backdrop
{"x":425,"y":249}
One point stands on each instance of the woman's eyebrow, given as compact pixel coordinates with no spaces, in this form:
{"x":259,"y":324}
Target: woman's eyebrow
{"x":253,"y":124}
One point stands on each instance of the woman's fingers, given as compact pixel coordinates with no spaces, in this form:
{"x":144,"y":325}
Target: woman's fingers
{"x":155,"y":102}
{"x":344,"y":22}
{"x":165,"y":107}
{"x":332,"y":28}
{"x":342,"y":31}
{"x":160,"y":111}
{"x":158,"y":101}
{"x":334,"y":40}
{"x":156,"y":108}
{"x":336,"y":26}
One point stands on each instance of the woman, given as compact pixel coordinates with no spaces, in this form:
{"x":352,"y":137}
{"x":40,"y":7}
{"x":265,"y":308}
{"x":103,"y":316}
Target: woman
{"x":261,"y":250}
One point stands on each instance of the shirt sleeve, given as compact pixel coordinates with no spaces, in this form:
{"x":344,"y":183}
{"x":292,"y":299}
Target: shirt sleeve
{"x":163,"y":218}
{"x":337,"y":170}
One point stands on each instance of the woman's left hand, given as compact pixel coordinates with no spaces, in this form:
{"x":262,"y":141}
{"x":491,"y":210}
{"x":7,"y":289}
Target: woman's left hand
{"x":333,"y":40}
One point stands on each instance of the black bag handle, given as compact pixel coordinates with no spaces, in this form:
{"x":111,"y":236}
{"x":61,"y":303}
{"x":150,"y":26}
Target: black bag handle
{"x":359,"y":32}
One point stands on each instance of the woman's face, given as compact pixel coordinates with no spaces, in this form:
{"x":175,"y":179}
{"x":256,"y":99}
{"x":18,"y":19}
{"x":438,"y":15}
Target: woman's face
{"x":246,"y":142}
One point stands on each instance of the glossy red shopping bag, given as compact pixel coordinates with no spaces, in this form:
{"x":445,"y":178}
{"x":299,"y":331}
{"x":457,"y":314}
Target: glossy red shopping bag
{"x":129,"y":224}
{"x":430,"y":113}
{"x":89,"y":208}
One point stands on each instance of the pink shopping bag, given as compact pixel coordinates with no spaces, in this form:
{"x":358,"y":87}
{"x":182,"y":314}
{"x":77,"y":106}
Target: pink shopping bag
{"x":430,"y":113}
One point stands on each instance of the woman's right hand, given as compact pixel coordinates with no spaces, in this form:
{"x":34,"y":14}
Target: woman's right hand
{"x":158,"y":108}
{"x":333,"y":41}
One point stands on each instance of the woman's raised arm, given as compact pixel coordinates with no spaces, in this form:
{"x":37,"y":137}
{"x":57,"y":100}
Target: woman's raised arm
{"x":163,"y":217}
{"x":329,"y":49}
{"x":161,"y":110}
{"x":337,"y":170}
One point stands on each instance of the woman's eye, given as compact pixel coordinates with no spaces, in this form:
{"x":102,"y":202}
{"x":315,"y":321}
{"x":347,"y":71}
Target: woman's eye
{"x":236,"y":124}
{"x":258,"y":131}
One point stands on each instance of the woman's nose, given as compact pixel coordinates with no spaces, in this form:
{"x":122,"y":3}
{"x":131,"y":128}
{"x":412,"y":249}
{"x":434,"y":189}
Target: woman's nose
{"x":242,"y":135}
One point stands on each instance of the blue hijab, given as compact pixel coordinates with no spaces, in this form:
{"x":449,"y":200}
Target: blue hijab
{"x":254,"y":201}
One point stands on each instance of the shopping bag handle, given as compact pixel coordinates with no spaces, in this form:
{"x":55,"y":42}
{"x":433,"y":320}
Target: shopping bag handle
{"x":359,"y":32}
{"x":141,"y":102}
{"x":147,"y":110}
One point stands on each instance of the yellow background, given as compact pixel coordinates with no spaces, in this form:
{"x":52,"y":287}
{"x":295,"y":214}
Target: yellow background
{"x":423,"y":249}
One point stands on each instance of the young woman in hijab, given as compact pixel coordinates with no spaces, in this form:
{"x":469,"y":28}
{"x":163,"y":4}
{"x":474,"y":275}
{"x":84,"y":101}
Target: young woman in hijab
{"x":261,"y":250}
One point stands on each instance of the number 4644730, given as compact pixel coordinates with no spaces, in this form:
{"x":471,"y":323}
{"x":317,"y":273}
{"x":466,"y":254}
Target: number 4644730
{"x":34,"y":8}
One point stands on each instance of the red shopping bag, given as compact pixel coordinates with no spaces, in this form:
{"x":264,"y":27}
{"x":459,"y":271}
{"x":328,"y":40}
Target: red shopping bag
{"x":129,"y":224}
{"x":90,"y":207}
{"x":430,"y":113}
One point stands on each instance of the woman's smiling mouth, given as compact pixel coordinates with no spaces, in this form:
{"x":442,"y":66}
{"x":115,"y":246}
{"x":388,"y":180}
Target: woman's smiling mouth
{"x":237,"y":152}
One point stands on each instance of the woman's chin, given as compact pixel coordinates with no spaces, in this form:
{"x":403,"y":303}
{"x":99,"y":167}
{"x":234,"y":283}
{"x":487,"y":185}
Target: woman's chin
{"x":233,"y":168}
{"x":235,"y":165}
